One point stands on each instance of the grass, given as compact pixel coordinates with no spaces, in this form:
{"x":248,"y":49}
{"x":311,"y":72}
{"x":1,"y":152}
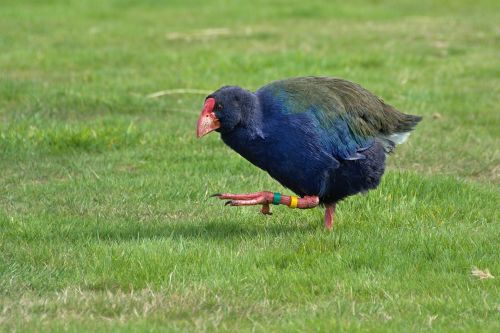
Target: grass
{"x":105,"y":218}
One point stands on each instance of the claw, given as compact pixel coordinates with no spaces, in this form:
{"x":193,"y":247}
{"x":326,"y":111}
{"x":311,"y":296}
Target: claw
{"x":215,"y":195}
{"x":228,"y":203}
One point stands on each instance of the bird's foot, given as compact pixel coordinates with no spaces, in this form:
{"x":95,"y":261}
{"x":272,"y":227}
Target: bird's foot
{"x":265,"y":198}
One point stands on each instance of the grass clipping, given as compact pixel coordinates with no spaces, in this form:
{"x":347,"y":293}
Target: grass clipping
{"x":482,"y":274}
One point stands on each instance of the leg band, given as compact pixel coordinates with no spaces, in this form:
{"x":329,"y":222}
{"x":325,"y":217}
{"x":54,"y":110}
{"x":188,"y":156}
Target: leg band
{"x":276,"y":198}
{"x":293,"y":201}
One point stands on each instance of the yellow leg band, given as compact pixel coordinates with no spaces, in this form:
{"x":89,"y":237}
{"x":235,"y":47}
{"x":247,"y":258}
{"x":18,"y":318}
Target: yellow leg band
{"x":293,"y":202}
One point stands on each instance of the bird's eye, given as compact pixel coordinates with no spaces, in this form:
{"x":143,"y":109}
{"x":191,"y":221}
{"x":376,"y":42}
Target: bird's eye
{"x":219,"y":106}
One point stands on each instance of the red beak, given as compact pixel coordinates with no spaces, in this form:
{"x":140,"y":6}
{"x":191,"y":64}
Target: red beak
{"x":207,"y":122}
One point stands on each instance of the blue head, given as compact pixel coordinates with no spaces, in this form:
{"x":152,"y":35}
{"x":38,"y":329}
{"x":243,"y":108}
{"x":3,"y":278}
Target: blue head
{"x":226,"y":109}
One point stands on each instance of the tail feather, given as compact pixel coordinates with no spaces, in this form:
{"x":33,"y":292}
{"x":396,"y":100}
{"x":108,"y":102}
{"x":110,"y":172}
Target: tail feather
{"x":398,"y":133}
{"x":407,"y":124}
{"x":401,"y":122}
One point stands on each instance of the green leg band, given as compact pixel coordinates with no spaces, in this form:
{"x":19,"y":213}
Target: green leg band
{"x":276,"y":198}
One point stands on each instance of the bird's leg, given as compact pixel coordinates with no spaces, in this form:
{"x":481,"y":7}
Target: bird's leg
{"x":329,"y":216}
{"x":265,"y":198}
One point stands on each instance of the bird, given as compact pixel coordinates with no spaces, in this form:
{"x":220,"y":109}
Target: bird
{"x":323,"y":138}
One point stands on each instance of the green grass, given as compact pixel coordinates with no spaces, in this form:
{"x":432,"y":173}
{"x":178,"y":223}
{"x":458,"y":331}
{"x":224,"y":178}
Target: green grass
{"x":105,"y":219}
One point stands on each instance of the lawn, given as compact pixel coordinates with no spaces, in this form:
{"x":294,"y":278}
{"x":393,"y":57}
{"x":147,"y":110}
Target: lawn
{"x":106,"y":223}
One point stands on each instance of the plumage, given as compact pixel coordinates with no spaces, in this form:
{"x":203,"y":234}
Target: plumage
{"x":317,"y":136}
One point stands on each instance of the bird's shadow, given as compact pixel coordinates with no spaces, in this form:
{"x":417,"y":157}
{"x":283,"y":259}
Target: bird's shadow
{"x":212,"y":230}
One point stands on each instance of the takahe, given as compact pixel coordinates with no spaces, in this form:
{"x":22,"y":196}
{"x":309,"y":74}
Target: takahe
{"x":323,"y":138}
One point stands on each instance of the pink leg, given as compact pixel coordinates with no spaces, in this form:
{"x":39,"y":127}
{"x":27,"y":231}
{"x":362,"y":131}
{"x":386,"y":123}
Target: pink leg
{"x":265,"y":198}
{"x":238,"y":196}
{"x":329,"y":215}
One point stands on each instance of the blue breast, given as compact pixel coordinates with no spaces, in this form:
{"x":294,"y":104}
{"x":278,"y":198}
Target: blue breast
{"x":292,"y":152}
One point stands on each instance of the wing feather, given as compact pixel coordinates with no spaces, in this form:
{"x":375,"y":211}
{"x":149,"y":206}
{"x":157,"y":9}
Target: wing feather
{"x":340,"y":104}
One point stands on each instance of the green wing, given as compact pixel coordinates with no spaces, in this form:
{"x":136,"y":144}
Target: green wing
{"x":340,"y":100}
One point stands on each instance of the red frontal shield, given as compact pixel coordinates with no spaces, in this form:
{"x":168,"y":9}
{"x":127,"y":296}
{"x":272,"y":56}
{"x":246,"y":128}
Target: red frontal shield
{"x":207,"y":122}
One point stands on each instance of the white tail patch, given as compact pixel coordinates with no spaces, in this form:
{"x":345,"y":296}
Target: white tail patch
{"x":389,"y":142}
{"x":398,"y":138}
